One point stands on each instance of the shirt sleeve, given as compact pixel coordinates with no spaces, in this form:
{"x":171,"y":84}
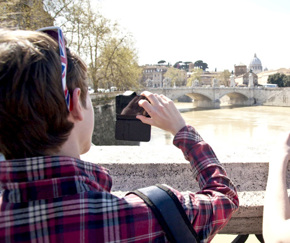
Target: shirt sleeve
{"x":210,"y":208}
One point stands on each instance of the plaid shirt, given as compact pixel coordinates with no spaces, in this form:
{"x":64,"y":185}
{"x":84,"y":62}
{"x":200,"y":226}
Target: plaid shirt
{"x":63,"y":199}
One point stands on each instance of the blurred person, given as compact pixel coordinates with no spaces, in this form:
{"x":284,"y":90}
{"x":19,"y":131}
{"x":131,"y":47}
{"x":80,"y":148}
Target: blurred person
{"x":276,"y":218}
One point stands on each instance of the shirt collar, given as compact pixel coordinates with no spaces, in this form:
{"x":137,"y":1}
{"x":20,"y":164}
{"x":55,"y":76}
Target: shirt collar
{"x":50,"y":177}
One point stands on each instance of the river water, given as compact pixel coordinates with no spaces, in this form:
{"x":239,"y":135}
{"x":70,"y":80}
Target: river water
{"x":241,"y":133}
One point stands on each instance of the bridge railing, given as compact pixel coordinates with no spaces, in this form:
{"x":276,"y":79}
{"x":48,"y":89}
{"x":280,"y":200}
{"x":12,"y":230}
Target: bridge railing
{"x":136,"y":167}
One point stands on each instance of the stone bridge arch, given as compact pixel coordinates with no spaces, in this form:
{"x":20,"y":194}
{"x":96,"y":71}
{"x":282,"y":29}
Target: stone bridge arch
{"x":210,"y":97}
{"x":202,"y":100}
{"x":237,"y":98}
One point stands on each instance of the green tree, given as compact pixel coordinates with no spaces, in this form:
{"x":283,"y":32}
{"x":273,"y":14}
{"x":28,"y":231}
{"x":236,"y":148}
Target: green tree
{"x":161,"y":62}
{"x":182,"y":65}
{"x":200,"y":64}
{"x":278,"y":78}
{"x":177,"y":64}
{"x":186,"y":66}
{"x":177,"y":76}
{"x":287,"y":81}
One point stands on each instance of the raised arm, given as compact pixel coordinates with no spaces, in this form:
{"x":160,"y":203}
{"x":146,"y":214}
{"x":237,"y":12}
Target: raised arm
{"x":210,"y":208}
{"x":276,"y":218}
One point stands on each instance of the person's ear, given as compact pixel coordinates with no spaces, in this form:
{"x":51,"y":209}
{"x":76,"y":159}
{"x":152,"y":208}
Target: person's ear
{"x":76,"y":107}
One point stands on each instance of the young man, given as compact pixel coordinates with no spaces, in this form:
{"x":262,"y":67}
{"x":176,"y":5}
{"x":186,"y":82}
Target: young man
{"x":49,"y":194}
{"x":276,"y":218}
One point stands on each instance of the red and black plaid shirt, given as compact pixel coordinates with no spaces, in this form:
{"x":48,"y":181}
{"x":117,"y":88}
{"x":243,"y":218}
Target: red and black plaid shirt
{"x":63,"y":199}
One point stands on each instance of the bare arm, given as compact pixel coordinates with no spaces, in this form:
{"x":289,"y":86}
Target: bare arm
{"x":276,"y":218}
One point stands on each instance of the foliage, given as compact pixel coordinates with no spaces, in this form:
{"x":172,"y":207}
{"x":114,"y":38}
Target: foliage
{"x":182,"y":65}
{"x":161,"y":62}
{"x":100,"y":43}
{"x":280,"y":79}
{"x":224,"y":77}
{"x":177,"y":64}
{"x":118,"y":66}
{"x":27,"y":15}
{"x":177,"y":76}
{"x":88,"y":33}
{"x":200,"y":64}
{"x":196,"y":75}
{"x":287,"y":82}
{"x":58,"y":9}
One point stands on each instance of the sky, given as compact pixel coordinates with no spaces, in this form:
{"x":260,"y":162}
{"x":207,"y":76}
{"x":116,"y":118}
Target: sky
{"x":222,"y":33}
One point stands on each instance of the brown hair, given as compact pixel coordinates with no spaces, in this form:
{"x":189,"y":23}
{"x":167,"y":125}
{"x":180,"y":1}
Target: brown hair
{"x":33,"y":112}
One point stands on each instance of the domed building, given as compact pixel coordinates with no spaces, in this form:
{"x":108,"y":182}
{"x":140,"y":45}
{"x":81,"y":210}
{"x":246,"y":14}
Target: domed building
{"x":256,"y":65}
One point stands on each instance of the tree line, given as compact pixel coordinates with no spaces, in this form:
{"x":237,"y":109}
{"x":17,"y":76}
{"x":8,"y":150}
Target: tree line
{"x":109,"y":53}
{"x":281,"y":79}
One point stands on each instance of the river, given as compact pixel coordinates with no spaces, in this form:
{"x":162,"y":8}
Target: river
{"x":241,"y":133}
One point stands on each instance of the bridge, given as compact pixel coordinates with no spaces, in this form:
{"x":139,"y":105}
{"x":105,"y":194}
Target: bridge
{"x":245,"y":96}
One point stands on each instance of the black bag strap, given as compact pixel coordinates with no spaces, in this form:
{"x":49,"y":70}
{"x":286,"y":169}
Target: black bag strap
{"x":169,"y":213}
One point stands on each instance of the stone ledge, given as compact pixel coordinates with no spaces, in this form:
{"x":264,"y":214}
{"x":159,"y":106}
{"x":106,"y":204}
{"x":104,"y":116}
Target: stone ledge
{"x":248,"y":218}
{"x":136,"y":167}
{"x":133,"y":167}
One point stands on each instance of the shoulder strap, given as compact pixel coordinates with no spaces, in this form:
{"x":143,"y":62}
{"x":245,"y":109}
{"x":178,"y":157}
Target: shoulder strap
{"x":169,"y":213}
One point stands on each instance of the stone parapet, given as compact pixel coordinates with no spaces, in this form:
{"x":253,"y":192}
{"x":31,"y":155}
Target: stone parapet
{"x":136,"y":167}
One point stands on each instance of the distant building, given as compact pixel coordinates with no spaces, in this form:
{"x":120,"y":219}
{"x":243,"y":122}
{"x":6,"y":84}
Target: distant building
{"x":207,"y":77}
{"x":190,"y":67}
{"x":256,"y":65}
{"x":240,"y":69}
{"x":153,"y":75}
{"x":242,"y":72}
{"x":243,"y":80}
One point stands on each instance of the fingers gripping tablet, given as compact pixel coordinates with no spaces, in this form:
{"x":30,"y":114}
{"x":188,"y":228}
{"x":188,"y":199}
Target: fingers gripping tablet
{"x":128,"y":127}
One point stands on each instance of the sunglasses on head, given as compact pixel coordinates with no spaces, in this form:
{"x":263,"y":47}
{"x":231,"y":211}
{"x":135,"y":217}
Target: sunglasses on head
{"x":57,"y":35}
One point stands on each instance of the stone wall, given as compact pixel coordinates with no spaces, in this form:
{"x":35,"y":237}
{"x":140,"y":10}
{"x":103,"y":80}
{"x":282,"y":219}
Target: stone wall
{"x":273,"y":96}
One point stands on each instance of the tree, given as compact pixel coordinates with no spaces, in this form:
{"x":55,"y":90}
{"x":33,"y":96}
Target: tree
{"x":58,"y":9}
{"x":287,"y":81}
{"x":88,"y":33}
{"x":200,"y":64}
{"x":161,"y":62}
{"x":182,"y":65}
{"x":277,"y":78}
{"x":24,"y":14}
{"x":177,"y":77}
{"x":118,"y":66}
{"x":100,"y":43}
{"x":196,"y":75}
{"x":177,"y":64}
{"x":224,"y":77}
{"x":186,"y":66}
